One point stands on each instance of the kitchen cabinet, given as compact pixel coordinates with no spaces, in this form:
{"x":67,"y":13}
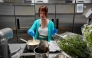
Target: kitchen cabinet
{"x":68,"y":18}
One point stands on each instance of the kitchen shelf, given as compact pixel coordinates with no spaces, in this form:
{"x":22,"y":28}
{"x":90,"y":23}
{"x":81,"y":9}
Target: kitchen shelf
{"x":64,"y":13}
{"x":59,"y":13}
{"x":24,"y":15}
{"x":37,"y":14}
{"x":64,"y":3}
{"x":17,"y":15}
{"x":7,"y":15}
{"x":84,"y":3}
{"x":23,"y":4}
{"x":69,"y":13}
{"x":30,"y":4}
{"x":78,"y":13}
{"x":1,"y":3}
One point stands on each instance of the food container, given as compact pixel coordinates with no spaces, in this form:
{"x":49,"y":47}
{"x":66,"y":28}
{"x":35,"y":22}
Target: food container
{"x":60,"y":56}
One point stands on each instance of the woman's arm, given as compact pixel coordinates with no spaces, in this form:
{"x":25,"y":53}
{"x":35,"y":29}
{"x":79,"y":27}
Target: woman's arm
{"x":53,"y":26}
{"x":54,"y":30}
{"x":32,"y":29}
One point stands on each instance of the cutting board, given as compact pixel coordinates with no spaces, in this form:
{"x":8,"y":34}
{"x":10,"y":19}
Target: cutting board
{"x":53,"y":46}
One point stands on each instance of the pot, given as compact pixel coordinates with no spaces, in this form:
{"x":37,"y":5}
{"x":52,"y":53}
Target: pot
{"x":40,"y":54}
{"x":42,"y":51}
{"x":43,"y":45}
{"x":31,"y":44}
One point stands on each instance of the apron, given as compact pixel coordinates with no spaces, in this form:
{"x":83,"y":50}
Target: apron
{"x":41,"y":37}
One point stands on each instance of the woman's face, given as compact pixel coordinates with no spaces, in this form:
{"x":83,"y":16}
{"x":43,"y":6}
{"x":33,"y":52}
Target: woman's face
{"x":42,"y":15}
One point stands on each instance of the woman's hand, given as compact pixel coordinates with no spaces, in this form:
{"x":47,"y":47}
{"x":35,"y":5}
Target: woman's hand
{"x":31,"y":32}
{"x":54,"y":31}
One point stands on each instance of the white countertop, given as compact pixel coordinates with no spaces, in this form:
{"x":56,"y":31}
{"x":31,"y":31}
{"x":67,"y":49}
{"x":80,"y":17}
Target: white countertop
{"x":15,"y":47}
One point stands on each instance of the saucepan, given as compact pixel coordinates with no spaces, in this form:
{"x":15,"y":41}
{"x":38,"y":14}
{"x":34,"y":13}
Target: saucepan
{"x":42,"y":51}
{"x":31,"y":44}
{"x":39,"y":54}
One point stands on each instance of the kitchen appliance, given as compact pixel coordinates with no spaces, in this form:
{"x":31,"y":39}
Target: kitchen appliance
{"x":5,"y":35}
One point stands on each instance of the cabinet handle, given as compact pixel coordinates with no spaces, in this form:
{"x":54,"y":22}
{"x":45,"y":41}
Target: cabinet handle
{"x":57,"y":23}
{"x":52,"y":20}
{"x":18,"y":24}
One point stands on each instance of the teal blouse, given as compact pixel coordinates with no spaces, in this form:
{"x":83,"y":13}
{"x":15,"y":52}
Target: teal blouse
{"x":36,"y":25}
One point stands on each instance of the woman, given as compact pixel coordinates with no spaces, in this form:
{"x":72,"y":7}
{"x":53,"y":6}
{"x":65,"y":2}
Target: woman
{"x":43,"y":27}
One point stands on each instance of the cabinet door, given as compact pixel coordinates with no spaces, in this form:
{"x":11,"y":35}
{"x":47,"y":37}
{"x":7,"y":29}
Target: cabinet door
{"x":26,"y":15}
{"x":65,"y":15}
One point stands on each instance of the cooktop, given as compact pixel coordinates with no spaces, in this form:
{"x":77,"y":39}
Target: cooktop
{"x":27,"y":51}
{"x":31,"y":56}
{"x":30,"y":53}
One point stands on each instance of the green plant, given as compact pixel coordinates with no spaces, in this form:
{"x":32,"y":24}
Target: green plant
{"x":74,"y":46}
{"x":87,"y":33}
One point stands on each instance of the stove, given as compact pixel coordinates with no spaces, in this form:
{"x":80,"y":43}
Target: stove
{"x":27,"y":51}
{"x":31,"y":56}
{"x":30,"y":53}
